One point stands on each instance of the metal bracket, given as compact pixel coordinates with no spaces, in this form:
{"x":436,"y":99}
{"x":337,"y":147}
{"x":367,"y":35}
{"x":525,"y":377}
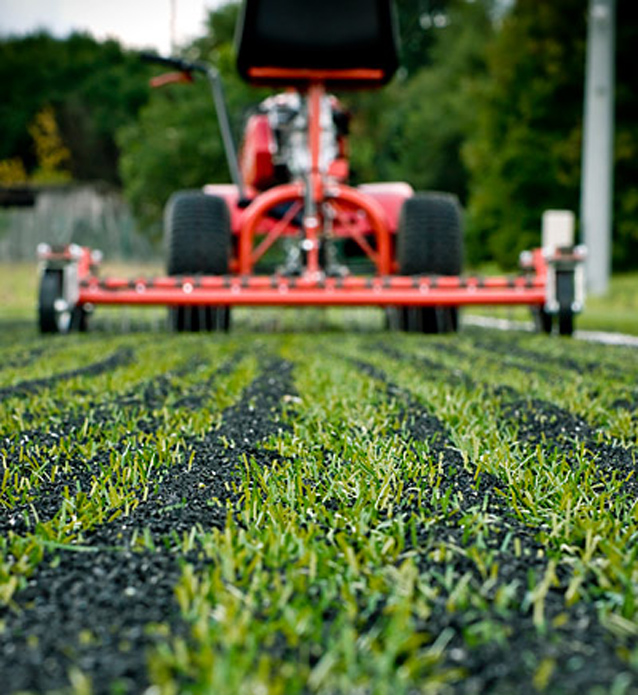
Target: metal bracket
{"x":565,"y":280}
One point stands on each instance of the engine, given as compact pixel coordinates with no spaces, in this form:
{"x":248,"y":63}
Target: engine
{"x":276,"y":147}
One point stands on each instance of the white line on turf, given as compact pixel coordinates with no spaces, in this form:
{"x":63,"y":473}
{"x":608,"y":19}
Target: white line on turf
{"x":589,"y":336}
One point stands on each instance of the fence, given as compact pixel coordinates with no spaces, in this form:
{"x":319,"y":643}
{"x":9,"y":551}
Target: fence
{"x":92,"y":215}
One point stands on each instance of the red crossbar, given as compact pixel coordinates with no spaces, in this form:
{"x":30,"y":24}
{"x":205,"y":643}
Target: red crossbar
{"x":354,"y":291}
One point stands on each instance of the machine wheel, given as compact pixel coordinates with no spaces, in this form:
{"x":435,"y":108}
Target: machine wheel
{"x":542,"y":320}
{"x":430,"y":242}
{"x":545,"y":321}
{"x":565,"y":290}
{"x":195,"y":319}
{"x":54,"y":315}
{"x":80,"y":319}
{"x":566,"y":323}
{"x":197,"y":233}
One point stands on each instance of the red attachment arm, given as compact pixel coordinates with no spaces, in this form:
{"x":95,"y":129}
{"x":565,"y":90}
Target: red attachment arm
{"x":254,"y":214}
{"x":171,"y":78}
{"x":279,"y":291}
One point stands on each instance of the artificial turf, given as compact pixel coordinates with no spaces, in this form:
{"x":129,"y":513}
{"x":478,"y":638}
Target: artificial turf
{"x":317,"y":512}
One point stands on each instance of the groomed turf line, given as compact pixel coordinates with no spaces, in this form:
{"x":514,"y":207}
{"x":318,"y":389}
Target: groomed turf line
{"x":568,"y":635}
{"x":91,"y":612}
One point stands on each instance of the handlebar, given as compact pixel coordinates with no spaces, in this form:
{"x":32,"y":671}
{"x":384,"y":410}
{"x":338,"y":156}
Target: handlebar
{"x":186,"y":67}
{"x":176,"y":63}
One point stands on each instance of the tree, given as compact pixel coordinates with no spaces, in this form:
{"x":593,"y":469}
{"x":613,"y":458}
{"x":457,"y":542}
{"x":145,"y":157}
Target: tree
{"x":438,"y":103}
{"x":417,"y":23}
{"x":175,"y":144}
{"x":625,"y":249}
{"x":52,"y":155}
{"x":525,"y":155}
{"x":414,"y":130}
{"x":93,"y":88}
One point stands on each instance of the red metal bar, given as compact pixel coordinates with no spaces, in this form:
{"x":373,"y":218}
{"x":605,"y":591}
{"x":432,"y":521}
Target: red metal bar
{"x":349,"y":229}
{"x":399,"y":282}
{"x":312,"y":220}
{"x":315,"y":94}
{"x":312,"y":226}
{"x":287,"y":295}
{"x":294,"y":191}
{"x":255,"y":212}
{"x":171,"y":78}
{"x":377,"y":218}
{"x":275,"y":233}
{"x":422,"y":284}
{"x":295,"y":75}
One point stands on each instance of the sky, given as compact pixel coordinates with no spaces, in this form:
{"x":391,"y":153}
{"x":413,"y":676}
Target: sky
{"x":135,"y":23}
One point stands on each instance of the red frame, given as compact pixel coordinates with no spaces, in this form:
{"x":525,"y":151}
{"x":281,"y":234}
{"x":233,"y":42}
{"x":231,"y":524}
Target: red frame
{"x":368,"y":215}
{"x":353,"y":291}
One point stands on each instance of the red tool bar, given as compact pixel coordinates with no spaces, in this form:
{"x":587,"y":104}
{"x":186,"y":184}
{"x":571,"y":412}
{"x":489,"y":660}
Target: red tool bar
{"x":283,"y":284}
{"x":285,"y":295}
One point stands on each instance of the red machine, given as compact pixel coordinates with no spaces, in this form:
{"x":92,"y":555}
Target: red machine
{"x":289,"y":230}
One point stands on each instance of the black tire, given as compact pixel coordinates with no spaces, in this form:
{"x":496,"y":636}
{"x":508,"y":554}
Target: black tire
{"x":198,"y":238}
{"x":565,"y":290}
{"x":80,"y":319}
{"x":543,"y":320}
{"x":566,"y":323}
{"x":52,"y":318}
{"x":430,"y":242}
{"x":199,"y":318}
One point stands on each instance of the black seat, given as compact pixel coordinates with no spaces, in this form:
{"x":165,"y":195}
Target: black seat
{"x":344,"y":43}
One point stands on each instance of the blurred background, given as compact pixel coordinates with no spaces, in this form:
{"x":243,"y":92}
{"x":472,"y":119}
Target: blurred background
{"x":488,"y":104}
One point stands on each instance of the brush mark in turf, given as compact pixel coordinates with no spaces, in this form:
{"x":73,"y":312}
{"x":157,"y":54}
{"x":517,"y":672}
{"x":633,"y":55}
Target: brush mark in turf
{"x":94,"y":607}
{"x":119,"y":358}
{"x":586,"y":649}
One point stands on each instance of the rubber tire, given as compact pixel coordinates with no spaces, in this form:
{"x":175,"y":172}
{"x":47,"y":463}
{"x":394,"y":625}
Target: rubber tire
{"x":430,"y":242}
{"x":50,"y":320}
{"x":566,"y":323}
{"x":80,"y":319}
{"x":198,"y":238}
{"x":565,"y":290}
{"x":543,"y":320}
{"x":199,"y":318}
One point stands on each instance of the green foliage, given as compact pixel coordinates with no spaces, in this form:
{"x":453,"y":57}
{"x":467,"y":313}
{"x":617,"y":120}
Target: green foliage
{"x":176,"y":143}
{"x":413,"y":130}
{"x":173,"y":145}
{"x":418,"y":23}
{"x":94,"y":88}
{"x":438,"y":103}
{"x":524,"y":156}
{"x":52,"y":156}
{"x":12,"y":171}
{"x":626,"y":162}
